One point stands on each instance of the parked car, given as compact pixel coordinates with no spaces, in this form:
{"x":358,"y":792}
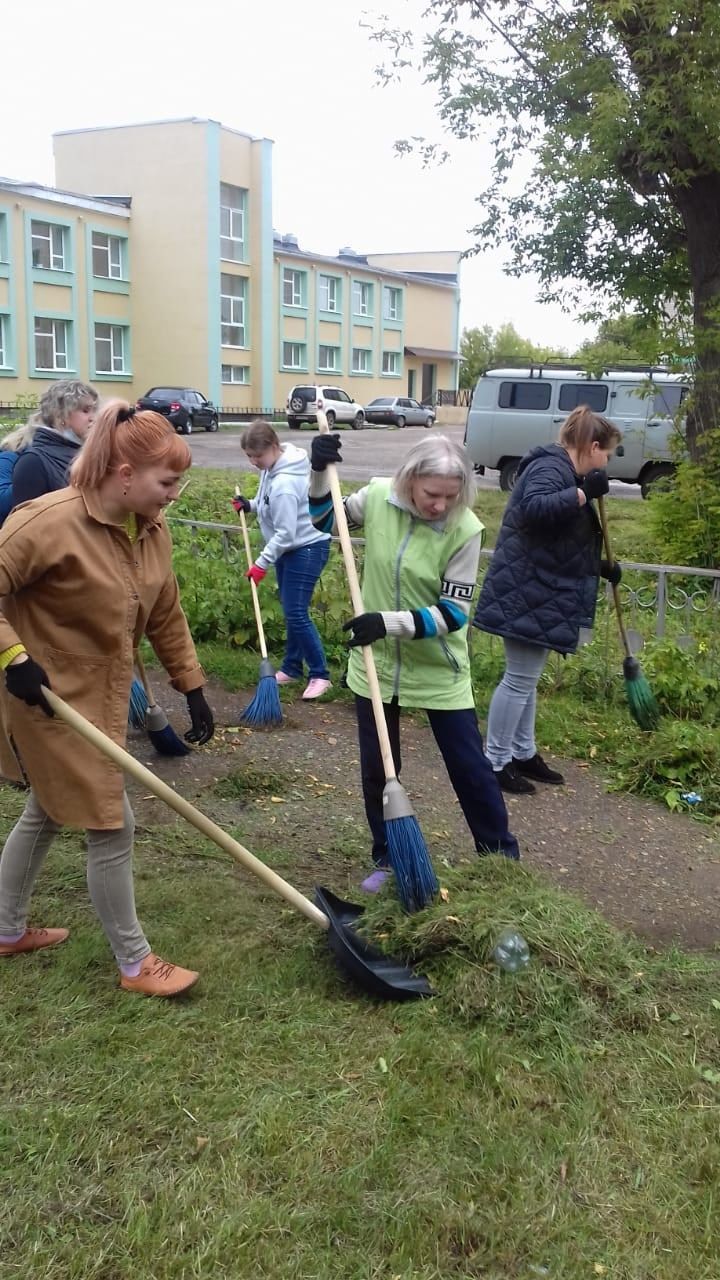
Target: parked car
{"x":182,"y":406}
{"x":303,"y":403}
{"x":400,"y":411}
{"x":514,"y":409}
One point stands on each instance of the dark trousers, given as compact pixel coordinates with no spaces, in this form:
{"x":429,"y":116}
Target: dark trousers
{"x":469,"y":770}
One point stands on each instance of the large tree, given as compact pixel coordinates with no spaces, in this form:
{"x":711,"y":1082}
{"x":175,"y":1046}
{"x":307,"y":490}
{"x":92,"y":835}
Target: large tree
{"x":605,"y":120}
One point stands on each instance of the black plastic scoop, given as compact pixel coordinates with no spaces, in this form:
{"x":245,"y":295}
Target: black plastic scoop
{"x":368,"y":968}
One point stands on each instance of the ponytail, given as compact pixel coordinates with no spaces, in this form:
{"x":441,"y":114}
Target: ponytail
{"x":582,"y":428}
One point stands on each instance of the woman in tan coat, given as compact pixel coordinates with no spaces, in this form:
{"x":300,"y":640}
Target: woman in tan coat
{"x":84,"y":573}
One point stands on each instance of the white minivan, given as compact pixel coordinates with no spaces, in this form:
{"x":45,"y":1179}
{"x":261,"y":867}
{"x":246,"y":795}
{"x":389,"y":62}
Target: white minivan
{"x":513,"y":410}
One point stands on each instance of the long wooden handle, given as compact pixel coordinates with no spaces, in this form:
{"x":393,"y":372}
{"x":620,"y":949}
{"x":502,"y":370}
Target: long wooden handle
{"x":140,"y":667}
{"x":186,"y":810}
{"x":358,"y":607}
{"x":253,"y":587}
{"x":616,"y":594}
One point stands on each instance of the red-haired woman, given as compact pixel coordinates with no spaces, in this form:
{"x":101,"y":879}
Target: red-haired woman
{"x":84,"y":572}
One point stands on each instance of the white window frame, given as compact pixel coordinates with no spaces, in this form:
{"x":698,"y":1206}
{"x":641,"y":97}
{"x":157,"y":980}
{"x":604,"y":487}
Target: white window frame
{"x":391,"y":358}
{"x":328,"y":368}
{"x":4,"y":363}
{"x":57,"y":329}
{"x":292,"y":347}
{"x":292,"y":278}
{"x":232,"y":311}
{"x":114,"y":338}
{"x":392,"y":302}
{"x":233,"y":202}
{"x":364,"y":365}
{"x":228,"y":371}
{"x":329,"y":286}
{"x":55,"y":240}
{"x":113,"y":249}
{"x":359,"y":288}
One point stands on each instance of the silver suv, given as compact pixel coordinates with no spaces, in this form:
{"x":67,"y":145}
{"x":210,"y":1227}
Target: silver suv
{"x":303,"y":403}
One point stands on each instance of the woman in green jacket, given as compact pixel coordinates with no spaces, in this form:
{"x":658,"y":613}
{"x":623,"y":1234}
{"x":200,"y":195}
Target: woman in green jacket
{"x":422,"y":549}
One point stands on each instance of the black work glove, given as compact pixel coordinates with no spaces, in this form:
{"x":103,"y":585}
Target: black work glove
{"x":596,"y":484}
{"x":366,"y":629}
{"x":241,"y":504}
{"x":23,"y":680}
{"x":611,"y":570}
{"x":203,"y":725}
{"x":325,"y":449}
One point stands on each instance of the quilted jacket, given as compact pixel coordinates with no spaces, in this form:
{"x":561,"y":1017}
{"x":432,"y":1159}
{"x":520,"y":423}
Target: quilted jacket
{"x":542,"y":583}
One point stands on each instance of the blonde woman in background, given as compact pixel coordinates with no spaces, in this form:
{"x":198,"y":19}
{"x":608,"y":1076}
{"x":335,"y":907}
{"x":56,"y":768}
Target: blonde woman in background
{"x":66,"y":414}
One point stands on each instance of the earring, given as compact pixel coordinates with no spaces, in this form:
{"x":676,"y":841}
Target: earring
{"x":125,"y":493}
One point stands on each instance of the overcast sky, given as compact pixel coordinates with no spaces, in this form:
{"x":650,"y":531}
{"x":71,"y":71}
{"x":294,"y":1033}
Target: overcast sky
{"x":298,"y":71}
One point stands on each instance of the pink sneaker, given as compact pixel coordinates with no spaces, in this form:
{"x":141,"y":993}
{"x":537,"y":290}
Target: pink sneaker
{"x":282,"y":678}
{"x":316,"y":688}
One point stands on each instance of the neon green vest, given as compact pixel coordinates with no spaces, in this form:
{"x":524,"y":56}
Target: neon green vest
{"x":405,"y":561}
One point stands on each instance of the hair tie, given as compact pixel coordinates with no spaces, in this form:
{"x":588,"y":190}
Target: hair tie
{"x":124,"y":415}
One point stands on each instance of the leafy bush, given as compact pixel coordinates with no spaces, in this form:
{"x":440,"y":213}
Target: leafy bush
{"x":685,"y":514}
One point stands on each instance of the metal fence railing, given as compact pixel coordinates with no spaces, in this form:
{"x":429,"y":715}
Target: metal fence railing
{"x":659,"y":599}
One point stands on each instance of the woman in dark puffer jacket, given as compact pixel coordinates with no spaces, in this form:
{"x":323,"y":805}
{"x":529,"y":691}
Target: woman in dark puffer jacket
{"x":541,"y":587}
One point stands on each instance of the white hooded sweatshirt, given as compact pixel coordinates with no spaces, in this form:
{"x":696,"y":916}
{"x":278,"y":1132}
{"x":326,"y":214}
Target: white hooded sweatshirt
{"x":281,"y":506}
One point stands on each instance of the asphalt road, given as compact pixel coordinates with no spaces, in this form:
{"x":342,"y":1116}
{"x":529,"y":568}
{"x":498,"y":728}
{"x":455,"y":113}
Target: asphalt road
{"x":376,"y":451}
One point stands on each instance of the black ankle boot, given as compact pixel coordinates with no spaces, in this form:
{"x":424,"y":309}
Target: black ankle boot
{"x":512,"y":781}
{"x":536,"y":768}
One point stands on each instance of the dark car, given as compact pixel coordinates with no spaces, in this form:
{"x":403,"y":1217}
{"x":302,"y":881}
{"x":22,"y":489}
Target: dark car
{"x":182,"y":406}
{"x":399,"y":411}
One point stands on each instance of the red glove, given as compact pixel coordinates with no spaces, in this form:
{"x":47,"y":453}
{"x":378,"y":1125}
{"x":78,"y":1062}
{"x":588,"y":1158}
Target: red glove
{"x":256,"y":574}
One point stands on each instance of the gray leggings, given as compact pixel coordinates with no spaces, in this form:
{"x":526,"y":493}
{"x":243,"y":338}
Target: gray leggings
{"x":511,"y":718}
{"x":109,"y":877}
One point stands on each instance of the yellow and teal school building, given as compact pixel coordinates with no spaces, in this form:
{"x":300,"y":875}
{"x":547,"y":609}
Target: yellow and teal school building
{"x":154,"y":261}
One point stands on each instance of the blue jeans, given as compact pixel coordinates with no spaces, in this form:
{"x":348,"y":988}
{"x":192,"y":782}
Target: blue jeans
{"x":297,"y":574}
{"x":511,"y":718}
{"x":461,"y":746}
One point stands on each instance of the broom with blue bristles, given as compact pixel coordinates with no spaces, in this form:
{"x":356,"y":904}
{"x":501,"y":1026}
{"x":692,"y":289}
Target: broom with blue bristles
{"x":265,"y":708}
{"x":415,"y":877}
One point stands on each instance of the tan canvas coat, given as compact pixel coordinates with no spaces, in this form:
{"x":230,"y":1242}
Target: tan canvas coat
{"x":79,"y":595}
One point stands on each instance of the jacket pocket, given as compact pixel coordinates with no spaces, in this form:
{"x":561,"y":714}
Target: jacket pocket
{"x":79,"y":678}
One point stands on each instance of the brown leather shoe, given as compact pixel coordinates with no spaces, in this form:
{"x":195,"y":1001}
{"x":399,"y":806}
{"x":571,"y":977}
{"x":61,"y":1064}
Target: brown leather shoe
{"x":160,"y":978}
{"x":34,"y":940}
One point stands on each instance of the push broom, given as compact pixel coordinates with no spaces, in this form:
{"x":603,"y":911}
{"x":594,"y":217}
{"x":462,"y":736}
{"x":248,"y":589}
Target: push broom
{"x":641,"y":701}
{"x":265,"y":708}
{"x":416,"y":881}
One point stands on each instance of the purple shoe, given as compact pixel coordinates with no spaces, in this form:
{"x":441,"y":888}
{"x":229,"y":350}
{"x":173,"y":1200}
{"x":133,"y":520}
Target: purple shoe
{"x":375,"y":881}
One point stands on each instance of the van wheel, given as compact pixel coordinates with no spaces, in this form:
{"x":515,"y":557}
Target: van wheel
{"x":508,"y":474}
{"x":659,"y":471}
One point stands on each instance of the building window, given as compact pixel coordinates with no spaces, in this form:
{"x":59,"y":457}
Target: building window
{"x":107,"y":256}
{"x":294,"y":355}
{"x":293,"y":287}
{"x":236,"y":373}
{"x":232,"y":310}
{"x":48,"y":246}
{"x":362,"y":298}
{"x":109,"y":348}
{"x":4,"y":255}
{"x":232,"y":222}
{"x":361,"y":360}
{"x":51,"y":345}
{"x":328,"y":358}
{"x":392,"y":303}
{"x":328,"y":293}
{"x":391,"y":362}
{"x":4,"y":362}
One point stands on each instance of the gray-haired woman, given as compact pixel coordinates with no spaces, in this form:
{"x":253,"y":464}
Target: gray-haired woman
{"x":422,"y":548}
{"x":66,"y":414}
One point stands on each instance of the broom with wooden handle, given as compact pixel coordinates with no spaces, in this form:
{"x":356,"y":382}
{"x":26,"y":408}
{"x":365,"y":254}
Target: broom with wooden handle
{"x":641,"y":700}
{"x":417,"y":883}
{"x":265,"y":708}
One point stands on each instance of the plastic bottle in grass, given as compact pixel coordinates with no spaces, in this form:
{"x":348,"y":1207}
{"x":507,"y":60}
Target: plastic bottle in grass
{"x":511,"y":952}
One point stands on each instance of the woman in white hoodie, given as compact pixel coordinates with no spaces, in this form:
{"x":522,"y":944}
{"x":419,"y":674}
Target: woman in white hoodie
{"x":293,"y":545}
